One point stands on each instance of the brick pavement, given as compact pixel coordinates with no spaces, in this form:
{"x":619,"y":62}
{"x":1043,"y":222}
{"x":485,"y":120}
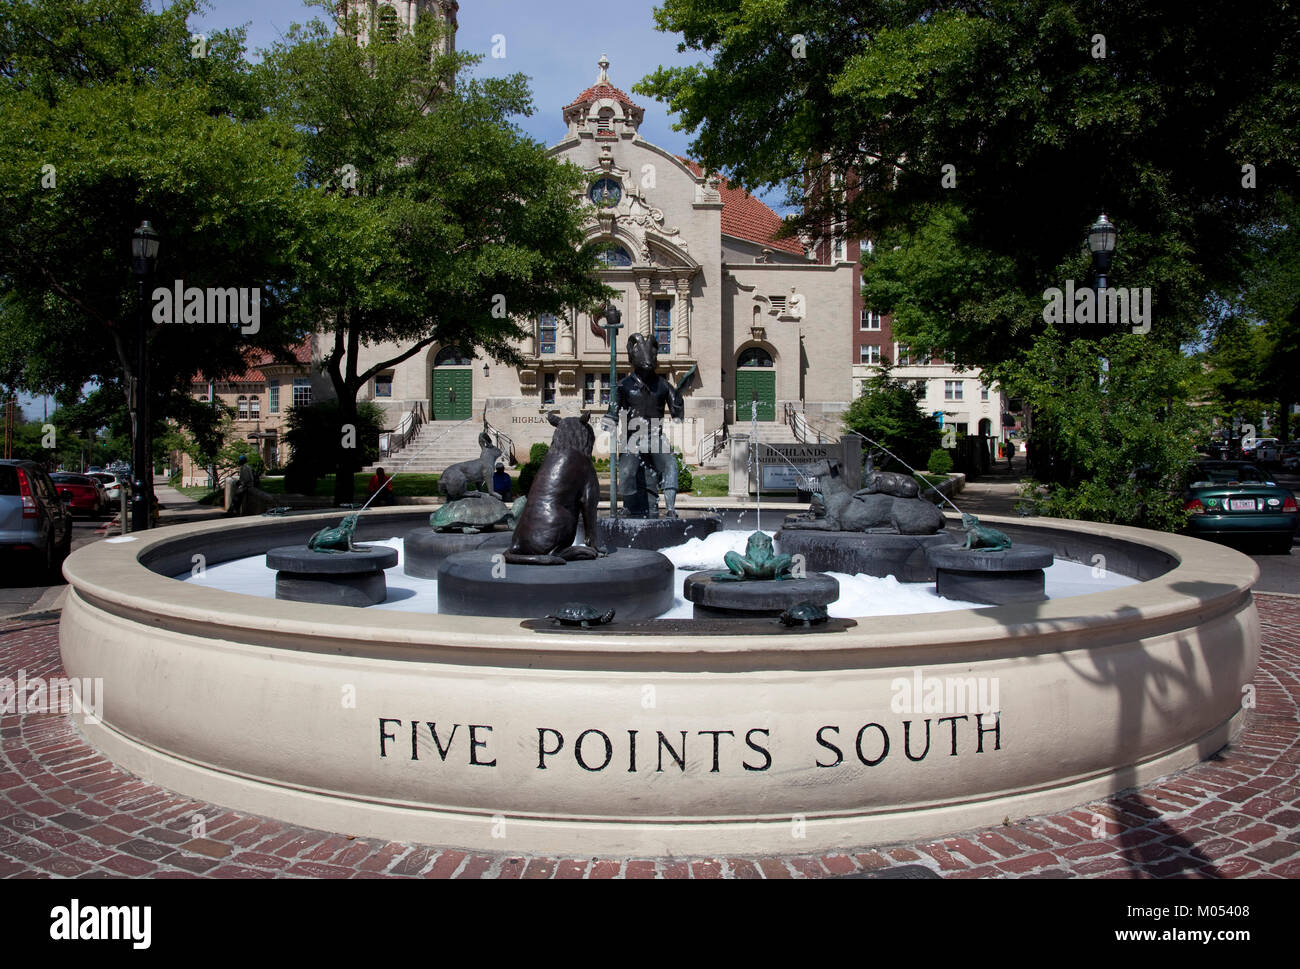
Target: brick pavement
{"x":67,"y":812}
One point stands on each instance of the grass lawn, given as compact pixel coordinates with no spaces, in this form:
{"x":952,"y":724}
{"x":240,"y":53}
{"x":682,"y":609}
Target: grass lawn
{"x":412,"y":485}
{"x":710,"y":485}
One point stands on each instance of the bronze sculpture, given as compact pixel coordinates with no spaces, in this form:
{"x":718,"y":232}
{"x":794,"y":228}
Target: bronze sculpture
{"x":564,"y":491}
{"x":648,"y":467}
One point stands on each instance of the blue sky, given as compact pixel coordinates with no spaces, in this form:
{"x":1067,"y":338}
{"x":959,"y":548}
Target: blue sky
{"x":556,"y":43}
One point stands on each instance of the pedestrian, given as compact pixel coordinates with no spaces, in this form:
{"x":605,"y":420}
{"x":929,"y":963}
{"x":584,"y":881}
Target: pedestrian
{"x":243,"y":487}
{"x":383,"y":485}
{"x":501,"y":482}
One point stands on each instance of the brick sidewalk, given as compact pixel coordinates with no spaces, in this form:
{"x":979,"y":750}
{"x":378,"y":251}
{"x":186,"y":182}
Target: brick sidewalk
{"x":65,"y":811}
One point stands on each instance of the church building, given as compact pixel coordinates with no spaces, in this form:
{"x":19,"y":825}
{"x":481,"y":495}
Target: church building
{"x":767,"y":323}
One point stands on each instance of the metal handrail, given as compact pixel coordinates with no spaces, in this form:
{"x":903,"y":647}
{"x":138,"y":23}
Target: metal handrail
{"x":803,"y":428}
{"x":414,"y":420}
{"x":500,"y":440}
{"x":712,"y":445}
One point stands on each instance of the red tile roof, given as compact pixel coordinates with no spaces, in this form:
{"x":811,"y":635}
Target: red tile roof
{"x":602,"y":90}
{"x":746,"y":217}
{"x":301,"y":353}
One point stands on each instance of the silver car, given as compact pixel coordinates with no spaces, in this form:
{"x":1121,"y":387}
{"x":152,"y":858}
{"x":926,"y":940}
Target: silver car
{"x":32,"y":516}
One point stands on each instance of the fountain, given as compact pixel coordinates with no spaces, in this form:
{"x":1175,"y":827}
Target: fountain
{"x":653,"y":736}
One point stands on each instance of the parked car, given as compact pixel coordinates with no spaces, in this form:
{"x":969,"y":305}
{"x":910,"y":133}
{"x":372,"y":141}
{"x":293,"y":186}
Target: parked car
{"x":1267,"y":450}
{"x":1290,"y":457}
{"x":85,"y":494}
{"x":112,"y":486}
{"x":1250,"y":448}
{"x":32,"y":516}
{"x":1235,"y":499}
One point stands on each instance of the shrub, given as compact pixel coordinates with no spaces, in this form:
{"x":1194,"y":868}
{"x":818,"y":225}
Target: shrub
{"x":940,"y":461}
{"x":537,"y":453}
{"x":685,"y":480}
{"x":300,"y":478}
{"x":316,"y":441}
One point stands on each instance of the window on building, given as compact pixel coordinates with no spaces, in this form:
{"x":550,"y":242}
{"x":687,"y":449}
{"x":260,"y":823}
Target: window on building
{"x":923,"y":358}
{"x":384,"y":385}
{"x":548,"y":388}
{"x":778,"y":303}
{"x":870,"y":320}
{"x":984,"y":392}
{"x":663,"y":324}
{"x":273,"y":399}
{"x":546,"y":329}
{"x":961,"y":428}
{"x":595,"y":389}
{"x":920,"y":387}
{"x":614,"y":257}
{"x":869,"y":353}
{"x":904,"y":355}
{"x":952,"y":390}
{"x":243,"y":407}
{"x":838,"y":249}
{"x":301,"y":391}
{"x":255,"y":407}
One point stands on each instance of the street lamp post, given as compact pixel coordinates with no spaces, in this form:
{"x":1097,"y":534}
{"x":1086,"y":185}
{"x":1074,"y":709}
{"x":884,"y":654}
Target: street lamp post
{"x":613,"y":323}
{"x":1101,"y":242}
{"x":144,"y":257}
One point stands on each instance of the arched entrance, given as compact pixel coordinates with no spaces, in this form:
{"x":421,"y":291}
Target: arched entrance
{"x":453,"y":386}
{"x":986,"y":427}
{"x":755,"y":383}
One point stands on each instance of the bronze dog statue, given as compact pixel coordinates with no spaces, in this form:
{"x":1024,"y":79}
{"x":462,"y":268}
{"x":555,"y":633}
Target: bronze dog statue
{"x":565,"y":489}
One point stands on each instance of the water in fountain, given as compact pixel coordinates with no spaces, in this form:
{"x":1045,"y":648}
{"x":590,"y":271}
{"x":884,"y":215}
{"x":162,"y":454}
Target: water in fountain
{"x":860,"y":595}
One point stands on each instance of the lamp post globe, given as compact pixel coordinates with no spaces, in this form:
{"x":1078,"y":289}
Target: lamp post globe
{"x":145,"y":244}
{"x":1101,"y":243}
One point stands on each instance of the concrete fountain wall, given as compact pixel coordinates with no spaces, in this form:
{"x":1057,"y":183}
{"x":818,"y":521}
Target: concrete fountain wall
{"x":619,"y":744}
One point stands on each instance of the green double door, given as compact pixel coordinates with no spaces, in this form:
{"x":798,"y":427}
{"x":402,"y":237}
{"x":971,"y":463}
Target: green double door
{"x":751,"y":383}
{"x":453,"y":393}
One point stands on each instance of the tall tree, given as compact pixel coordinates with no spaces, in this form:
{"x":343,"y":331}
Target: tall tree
{"x":984,"y":139}
{"x":432,"y":219}
{"x":112,"y":113}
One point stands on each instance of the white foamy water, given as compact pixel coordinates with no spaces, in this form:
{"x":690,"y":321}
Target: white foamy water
{"x":860,"y":595}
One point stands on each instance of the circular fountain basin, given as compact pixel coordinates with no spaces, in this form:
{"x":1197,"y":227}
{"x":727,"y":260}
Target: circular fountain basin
{"x":440,"y":728}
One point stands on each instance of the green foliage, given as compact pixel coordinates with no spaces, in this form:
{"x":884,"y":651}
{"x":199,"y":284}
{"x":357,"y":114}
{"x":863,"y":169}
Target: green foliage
{"x":1040,"y":134}
{"x":1114,"y":444}
{"x":685,"y":480}
{"x":889,"y":413}
{"x":536,"y":455}
{"x":427,"y":238}
{"x":107,"y":94}
{"x":228,"y":457}
{"x":940,"y":461}
{"x":316,"y":437}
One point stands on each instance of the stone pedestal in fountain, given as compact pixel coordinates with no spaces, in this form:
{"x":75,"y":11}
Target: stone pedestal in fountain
{"x":755,"y":599}
{"x":425,"y":549}
{"x":635,"y":583}
{"x":994,"y":577}
{"x":331,"y":578}
{"x":869,"y":553}
{"x":653,"y":533}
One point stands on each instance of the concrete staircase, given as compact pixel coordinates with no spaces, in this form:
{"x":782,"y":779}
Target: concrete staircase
{"x":435,"y":447}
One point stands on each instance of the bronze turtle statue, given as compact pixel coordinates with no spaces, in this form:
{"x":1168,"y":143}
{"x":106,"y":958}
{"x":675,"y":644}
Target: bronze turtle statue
{"x":804,"y":614}
{"x":581,"y":614}
{"x":476,"y":512}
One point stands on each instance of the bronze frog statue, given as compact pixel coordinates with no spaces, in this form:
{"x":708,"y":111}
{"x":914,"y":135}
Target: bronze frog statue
{"x":758,"y":563}
{"x":982,"y":538}
{"x":336,"y":539}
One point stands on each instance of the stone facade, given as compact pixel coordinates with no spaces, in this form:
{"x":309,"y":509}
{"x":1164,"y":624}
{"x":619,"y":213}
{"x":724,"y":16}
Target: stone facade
{"x":693,"y":259}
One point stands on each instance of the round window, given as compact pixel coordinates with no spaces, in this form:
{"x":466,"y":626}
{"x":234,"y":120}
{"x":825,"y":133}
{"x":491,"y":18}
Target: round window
{"x":605,"y":192}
